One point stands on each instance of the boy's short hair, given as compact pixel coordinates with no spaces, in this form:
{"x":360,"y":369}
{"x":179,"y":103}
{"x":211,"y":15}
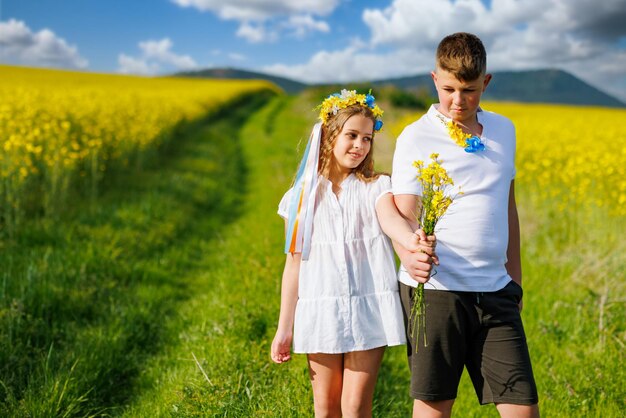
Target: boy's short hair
{"x":463,"y":55}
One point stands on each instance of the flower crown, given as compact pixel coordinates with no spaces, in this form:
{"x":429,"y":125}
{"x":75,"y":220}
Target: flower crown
{"x":336,"y":101}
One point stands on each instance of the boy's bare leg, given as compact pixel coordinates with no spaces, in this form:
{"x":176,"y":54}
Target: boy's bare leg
{"x":326,"y":372}
{"x":360,"y":369}
{"x":508,"y":410}
{"x":432,"y":409}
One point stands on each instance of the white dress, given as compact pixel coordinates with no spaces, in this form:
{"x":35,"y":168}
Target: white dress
{"x":348,"y":291}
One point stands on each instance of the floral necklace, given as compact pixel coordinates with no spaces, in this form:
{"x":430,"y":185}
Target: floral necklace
{"x":469,"y":142}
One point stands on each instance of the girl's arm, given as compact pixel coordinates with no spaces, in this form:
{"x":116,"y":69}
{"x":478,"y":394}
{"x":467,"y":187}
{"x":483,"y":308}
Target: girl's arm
{"x":393,"y":224}
{"x":415,"y":250}
{"x":281,"y":345}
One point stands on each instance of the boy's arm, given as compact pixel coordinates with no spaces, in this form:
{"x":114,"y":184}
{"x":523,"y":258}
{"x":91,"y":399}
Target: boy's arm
{"x":514,"y":262}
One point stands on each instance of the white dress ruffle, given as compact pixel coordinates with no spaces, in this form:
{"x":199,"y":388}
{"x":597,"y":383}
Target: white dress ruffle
{"x":348,"y":291}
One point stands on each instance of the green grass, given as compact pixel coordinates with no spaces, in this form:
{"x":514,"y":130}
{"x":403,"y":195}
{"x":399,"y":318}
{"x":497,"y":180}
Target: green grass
{"x":163,"y":299}
{"x":575,"y":264}
{"x":87,"y":300}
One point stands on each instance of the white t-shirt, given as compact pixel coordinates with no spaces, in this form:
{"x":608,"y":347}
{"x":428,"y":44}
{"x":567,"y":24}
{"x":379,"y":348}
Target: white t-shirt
{"x":472,"y":236}
{"x":347,"y":291}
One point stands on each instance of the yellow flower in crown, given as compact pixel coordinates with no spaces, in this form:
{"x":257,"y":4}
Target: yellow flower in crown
{"x":336,"y":101}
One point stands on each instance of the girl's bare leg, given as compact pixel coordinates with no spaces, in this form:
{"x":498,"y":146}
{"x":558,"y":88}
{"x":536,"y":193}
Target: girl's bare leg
{"x":360,"y":370}
{"x":326,"y":372}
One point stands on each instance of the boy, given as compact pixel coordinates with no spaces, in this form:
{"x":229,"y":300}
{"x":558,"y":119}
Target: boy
{"x":473,"y":301}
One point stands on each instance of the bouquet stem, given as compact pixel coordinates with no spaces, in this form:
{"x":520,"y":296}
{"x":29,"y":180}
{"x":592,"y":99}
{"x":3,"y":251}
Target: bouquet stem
{"x":435,"y":200}
{"x":417,"y":320}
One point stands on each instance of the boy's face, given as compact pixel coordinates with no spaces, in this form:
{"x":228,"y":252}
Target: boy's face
{"x":459,"y":100}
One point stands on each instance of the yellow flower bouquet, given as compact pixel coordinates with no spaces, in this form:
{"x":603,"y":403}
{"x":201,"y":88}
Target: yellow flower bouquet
{"x":435,"y":183}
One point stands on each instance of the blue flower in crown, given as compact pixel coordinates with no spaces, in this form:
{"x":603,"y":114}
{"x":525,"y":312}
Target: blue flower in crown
{"x":378,"y":125}
{"x":370,"y":100}
{"x":474,"y":144}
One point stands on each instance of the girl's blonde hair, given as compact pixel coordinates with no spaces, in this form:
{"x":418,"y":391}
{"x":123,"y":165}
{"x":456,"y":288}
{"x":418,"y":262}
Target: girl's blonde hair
{"x":331,"y":130}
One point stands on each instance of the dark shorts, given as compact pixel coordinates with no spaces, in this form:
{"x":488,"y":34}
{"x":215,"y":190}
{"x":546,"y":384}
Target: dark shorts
{"x":481,"y":331}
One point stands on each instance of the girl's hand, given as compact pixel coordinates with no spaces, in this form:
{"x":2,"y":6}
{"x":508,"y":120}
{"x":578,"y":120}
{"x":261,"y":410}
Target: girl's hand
{"x":281,"y":347}
{"x":418,"y":265}
{"x":419,"y":242}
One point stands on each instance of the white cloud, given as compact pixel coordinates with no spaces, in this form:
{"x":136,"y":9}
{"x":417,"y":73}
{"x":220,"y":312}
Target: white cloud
{"x":256,"y":33}
{"x":20,"y":45}
{"x":130,"y":65}
{"x":571,"y":35}
{"x":263,"y":21}
{"x":154,"y":55}
{"x":352,"y":64}
{"x":161,"y":51}
{"x":580,"y":36}
{"x":301,"y":25}
{"x":256,"y":10}
{"x":423,"y":22}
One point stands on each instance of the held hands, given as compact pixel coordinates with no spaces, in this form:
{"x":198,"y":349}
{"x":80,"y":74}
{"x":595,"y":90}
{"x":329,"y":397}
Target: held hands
{"x":420,"y":256}
{"x":281,"y":347}
{"x":419,"y":242}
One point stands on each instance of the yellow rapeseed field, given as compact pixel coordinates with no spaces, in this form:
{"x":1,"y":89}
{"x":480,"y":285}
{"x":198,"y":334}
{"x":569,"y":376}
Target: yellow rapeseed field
{"x":567,"y":156}
{"x":57,"y":125}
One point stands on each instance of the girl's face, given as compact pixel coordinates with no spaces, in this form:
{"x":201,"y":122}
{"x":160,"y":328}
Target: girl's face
{"x":353,"y":143}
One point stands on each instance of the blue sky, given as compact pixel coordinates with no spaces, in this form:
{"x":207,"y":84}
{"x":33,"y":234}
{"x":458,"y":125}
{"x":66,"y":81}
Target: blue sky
{"x":314,"y":40}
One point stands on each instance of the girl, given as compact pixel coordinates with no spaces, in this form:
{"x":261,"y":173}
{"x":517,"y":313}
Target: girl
{"x":339,"y":297}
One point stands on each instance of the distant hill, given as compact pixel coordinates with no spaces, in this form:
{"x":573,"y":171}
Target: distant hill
{"x":553,"y":86}
{"x":545,"y":86}
{"x":290,"y":86}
